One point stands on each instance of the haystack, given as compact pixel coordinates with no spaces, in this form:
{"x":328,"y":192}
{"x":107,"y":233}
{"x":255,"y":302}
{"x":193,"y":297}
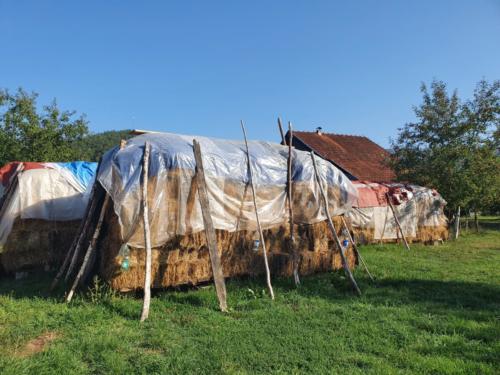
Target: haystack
{"x":41,"y":207}
{"x":180,"y":254}
{"x":418,"y":209}
{"x":184,"y":260}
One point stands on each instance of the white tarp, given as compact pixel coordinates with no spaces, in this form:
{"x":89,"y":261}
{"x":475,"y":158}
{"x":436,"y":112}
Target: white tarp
{"x":423,"y":209}
{"x":174,"y":204}
{"x":48,"y":194}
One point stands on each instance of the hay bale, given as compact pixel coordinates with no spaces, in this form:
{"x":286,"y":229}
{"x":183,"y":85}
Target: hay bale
{"x":430,"y":234}
{"x":185,"y":259}
{"x":37,"y":244}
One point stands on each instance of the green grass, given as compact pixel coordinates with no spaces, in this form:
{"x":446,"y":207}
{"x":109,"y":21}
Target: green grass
{"x":432,"y":310}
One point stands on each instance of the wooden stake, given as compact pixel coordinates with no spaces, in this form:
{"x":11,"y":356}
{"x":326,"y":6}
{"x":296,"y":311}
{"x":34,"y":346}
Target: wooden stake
{"x":397,"y":221}
{"x":76,"y":245}
{"x":457,"y":224}
{"x":261,"y":234}
{"x":296,"y":258}
{"x":147,"y":235}
{"x":10,"y":188}
{"x":385,"y":223}
{"x":220,"y":285}
{"x":90,"y":249}
{"x":75,"y":250}
{"x":347,"y":270}
{"x":355,"y":247}
{"x":281,"y":131}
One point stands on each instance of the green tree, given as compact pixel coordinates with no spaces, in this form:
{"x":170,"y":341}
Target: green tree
{"x":29,"y":135}
{"x":453,"y":146}
{"x":93,"y":146}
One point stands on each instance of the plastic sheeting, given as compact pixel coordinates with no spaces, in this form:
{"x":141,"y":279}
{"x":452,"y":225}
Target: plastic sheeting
{"x":173,"y":200}
{"x":423,"y":207}
{"x":50,"y":192}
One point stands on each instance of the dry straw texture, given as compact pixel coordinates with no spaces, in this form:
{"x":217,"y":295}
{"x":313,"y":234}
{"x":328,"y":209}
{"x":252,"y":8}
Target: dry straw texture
{"x":185,"y":259}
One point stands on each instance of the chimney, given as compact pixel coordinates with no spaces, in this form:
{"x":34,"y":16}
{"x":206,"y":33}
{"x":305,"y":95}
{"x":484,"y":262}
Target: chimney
{"x":319,"y":130}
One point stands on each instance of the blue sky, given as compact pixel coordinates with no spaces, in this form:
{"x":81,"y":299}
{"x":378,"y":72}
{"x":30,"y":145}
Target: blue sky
{"x":198,"y":67}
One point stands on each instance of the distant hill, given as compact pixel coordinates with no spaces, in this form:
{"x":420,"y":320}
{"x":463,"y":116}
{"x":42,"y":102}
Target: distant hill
{"x":93,"y":146}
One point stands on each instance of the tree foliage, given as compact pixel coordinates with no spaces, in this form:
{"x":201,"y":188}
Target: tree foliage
{"x":29,"y":135}
{"x":454,"y":146}
{"x":93,"y":146}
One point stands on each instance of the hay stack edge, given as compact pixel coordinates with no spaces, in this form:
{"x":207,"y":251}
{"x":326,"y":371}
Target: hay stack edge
{"x":180,"y":254}
{"x":41,"y":206}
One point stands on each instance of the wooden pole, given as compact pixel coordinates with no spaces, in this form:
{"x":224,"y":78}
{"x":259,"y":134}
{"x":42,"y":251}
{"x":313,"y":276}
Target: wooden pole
{"x":10,"y":188}
{"x":347,"y":270}
{"x":355,"y":247}
{"x":296,"y":258}
{"x":71,"y":254}
{"x":147,"y":234}
{"x":457,"y":224}
{"x":94,"y":197}
{"x":281,"y":131}
{"x":76,"y":247}
{"x":220,"y":285}
{"x":261,"y":234}
{"x":90,"y":250}
{"x":397,"y":221}
{"x":385,"y":223}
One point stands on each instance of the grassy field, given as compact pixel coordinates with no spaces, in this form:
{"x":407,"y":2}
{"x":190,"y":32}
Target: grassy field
{"x":432,"y":310}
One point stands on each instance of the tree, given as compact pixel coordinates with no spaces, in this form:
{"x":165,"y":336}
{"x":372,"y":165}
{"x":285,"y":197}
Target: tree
{"x":27,"y":135}
{"x":453,"y":146}
{"x":93,"y":146}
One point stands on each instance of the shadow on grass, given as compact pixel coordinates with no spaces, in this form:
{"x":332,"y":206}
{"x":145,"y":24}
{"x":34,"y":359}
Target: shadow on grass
{"x":441,"y":294}
{"x":333,"y":286}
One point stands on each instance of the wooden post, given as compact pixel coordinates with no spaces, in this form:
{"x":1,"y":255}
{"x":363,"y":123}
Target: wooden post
{"x":74,"y":252}
{"x":397,"y":221}
{"x":261,"y":234}
{"x":281,"y":131}
{"x":347,"y":270}
{"x":90,"y":250}
{"x":76,"y":245}
{"x":147,"y":234}
{"x":385,"y":223}
{"x":457,"y":224}
{"x":355,"y":247}
{"x":220,"y":285}
{"x":296,"y":257}
{"x":476,"y":221}
{"x":10,"y":188}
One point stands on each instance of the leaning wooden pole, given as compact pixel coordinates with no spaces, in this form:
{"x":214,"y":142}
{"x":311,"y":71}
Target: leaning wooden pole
{"x":457,"y":224}
{"x":397,"y":221}
{"x":356,"y":249}
{"x":261,"y":234}
{"x":90,"y":250}
{"x":74,"y":250}
{"x":147,"y":234}
{"x":10,"y":188}
{"x":220,"y":285}
{"x":295,"y":254}
{"x":345,"y":264}
{"x":282,"y":133}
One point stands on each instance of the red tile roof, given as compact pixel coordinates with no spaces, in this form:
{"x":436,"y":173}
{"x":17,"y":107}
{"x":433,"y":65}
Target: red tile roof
{"x":357,"y":155}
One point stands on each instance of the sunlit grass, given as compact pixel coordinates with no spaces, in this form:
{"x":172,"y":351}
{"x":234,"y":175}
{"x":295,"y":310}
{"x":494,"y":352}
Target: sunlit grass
{"x":431,"y":310}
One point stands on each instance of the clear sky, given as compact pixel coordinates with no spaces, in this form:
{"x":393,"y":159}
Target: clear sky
{"x":198,"y":67}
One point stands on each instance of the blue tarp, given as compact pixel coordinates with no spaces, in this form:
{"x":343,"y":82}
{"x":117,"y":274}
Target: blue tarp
{"x":83,"y":171}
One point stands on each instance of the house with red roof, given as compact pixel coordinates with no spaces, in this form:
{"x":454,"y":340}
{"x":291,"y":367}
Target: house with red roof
{"x":358,"y":157}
